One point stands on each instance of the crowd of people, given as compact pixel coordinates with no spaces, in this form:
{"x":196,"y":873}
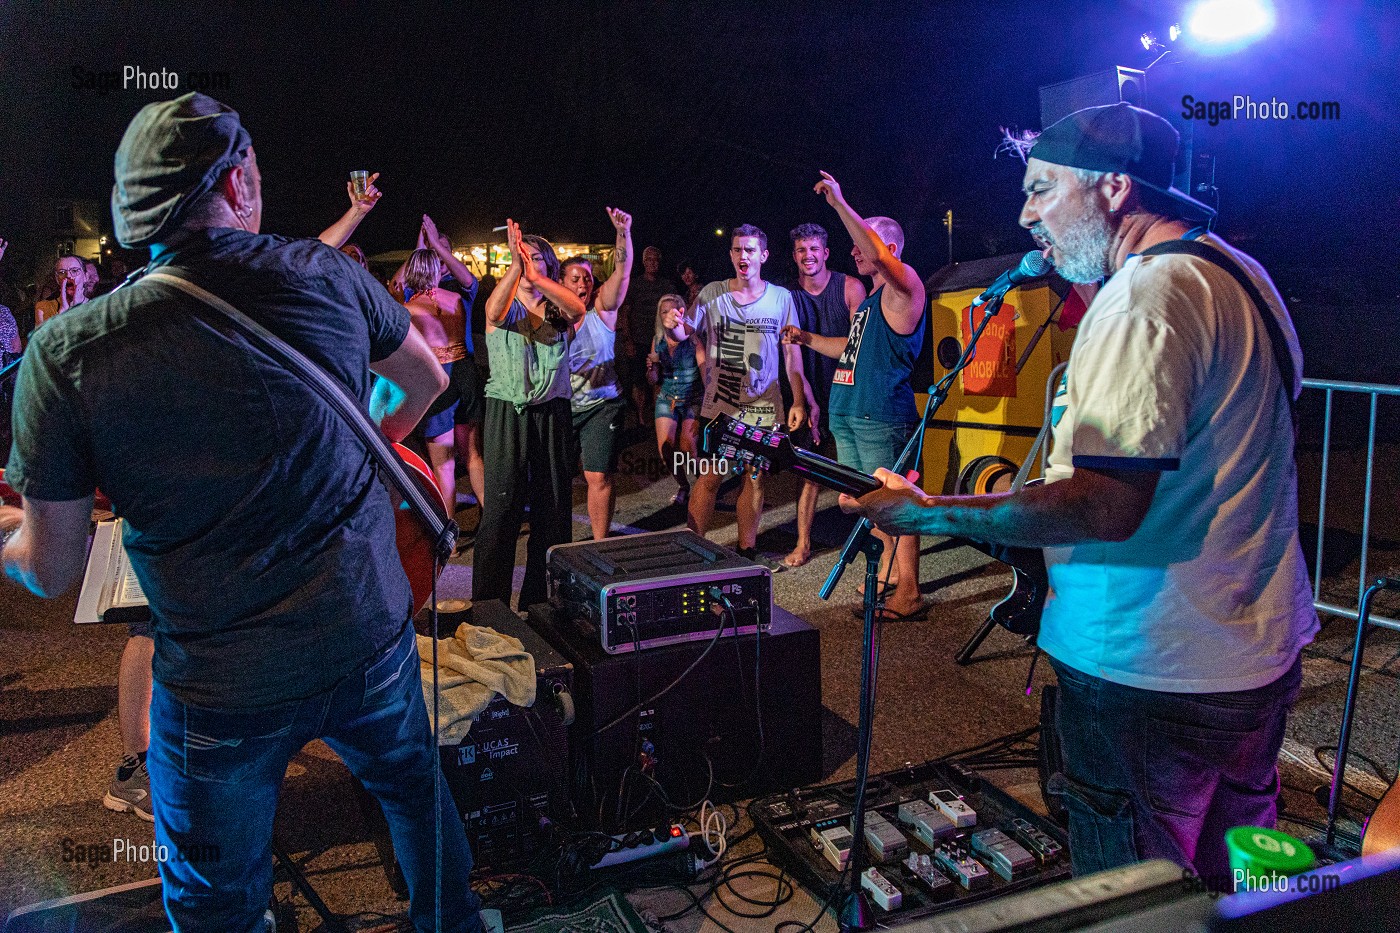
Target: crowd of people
{"x":641,"y":353}
{"x":1180,"y":601}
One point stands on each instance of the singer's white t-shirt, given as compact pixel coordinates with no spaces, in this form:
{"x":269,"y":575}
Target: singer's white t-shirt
{"x":1173,"y":370}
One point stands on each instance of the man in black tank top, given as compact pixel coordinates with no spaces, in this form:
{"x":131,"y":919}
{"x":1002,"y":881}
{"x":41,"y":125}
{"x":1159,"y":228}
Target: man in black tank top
{"x":825,"y":301}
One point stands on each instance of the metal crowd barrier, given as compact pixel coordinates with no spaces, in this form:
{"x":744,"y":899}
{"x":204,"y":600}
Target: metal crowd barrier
{"x":1375,"y":391}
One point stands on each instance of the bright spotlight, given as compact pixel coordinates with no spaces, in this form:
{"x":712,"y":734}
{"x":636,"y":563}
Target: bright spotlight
{"x":1148,"y":41}
{"x":1174,"y":33}
{"x":1229,"y":22}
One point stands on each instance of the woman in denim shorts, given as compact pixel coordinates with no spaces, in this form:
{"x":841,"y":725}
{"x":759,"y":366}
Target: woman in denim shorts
{"x":674,"y":368}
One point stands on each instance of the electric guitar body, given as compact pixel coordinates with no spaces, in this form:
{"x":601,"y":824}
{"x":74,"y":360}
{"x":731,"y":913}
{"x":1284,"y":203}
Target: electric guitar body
{"x":1383,"y":828}
{"x":415,"y":540}
{"x":8,"y":496}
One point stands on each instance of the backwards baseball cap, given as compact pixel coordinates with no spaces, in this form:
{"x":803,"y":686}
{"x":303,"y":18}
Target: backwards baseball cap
{"x":173,"y":152}
{"x":1119,"y":138}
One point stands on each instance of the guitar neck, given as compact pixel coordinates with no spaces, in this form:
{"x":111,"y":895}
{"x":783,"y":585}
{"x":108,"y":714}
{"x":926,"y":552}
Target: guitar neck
{"x":829,"y":474}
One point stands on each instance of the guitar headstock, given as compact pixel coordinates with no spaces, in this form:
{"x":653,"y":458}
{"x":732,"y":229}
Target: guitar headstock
{"x":751,"y":448}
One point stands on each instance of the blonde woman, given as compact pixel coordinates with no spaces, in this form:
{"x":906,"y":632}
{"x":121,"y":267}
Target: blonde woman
{"x":440,"y":317}
{"x":673,"y":366}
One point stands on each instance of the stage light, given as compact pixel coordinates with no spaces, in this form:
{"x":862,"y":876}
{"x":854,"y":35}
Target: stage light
{"x":1149,"y":41}
{"x":1175,"y":32}
{"x":719,"y":231}
{"x":1231,"y":23}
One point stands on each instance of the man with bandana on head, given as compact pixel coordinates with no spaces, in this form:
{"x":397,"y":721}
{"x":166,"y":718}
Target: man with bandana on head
{"x":254,"y":518}
{"x":1179,"y":599}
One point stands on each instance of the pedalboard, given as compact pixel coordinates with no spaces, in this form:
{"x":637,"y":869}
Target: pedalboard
{"x":937,"y":837}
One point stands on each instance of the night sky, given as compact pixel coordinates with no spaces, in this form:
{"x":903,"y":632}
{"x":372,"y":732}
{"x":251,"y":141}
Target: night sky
{"x":695,"y":116}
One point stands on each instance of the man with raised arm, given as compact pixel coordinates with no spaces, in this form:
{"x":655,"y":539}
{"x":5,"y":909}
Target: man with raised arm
{"x":465,"y":377}
{"x":339,"y":233}
{"x":872,"y":402}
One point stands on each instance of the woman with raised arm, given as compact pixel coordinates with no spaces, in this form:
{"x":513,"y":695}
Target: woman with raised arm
{"x":528,"y":434}
{"x":441,"y":318}
{"x":598,"y":409}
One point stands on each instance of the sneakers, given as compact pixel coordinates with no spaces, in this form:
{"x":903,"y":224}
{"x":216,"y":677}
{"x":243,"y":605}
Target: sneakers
{"x":132,"y":795}
{"x":681,"y":497}
{"x":491,"y":921}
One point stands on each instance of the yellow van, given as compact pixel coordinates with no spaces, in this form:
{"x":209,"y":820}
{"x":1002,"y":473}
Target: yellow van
{"x":984,"y":431}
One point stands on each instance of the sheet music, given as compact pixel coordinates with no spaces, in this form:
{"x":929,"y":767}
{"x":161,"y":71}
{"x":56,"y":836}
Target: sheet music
{"x":108,"y":582}
{"x":128,"y":590}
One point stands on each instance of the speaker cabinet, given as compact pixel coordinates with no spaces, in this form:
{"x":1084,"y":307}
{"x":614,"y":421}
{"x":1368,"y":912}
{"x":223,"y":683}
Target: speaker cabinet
{"x":746,"y":720}
{"x":1103,"y":87}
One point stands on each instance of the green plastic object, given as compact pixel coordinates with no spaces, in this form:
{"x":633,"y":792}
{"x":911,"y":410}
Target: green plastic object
{"x":1260,"y":857}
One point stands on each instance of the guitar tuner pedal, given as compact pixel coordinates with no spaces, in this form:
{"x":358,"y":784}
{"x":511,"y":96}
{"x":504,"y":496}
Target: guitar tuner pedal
{"x":954,"y":807}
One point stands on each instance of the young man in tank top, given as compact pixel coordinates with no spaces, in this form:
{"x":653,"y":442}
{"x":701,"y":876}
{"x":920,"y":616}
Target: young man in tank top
{"x":826,"y":301}
{"x":872,"y":412}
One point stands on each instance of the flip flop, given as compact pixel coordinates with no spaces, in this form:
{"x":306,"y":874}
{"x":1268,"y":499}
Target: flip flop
{"x":889,"y":615}
{"x":858,"y":610}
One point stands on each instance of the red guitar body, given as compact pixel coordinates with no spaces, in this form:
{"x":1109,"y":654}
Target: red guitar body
{"x":8,"y":496}
{"x":414,"y":540}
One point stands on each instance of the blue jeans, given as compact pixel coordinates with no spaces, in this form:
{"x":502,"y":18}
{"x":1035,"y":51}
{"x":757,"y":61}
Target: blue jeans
{"x":216,"y":775}
{"x":868,"y":445}
{"x":1147,"y":774}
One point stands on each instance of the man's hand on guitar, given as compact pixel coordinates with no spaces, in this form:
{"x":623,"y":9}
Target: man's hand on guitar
{"x":901,"y":508}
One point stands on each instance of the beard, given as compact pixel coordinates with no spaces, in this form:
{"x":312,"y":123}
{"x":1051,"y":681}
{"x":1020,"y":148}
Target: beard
{"x":1084,"y":247}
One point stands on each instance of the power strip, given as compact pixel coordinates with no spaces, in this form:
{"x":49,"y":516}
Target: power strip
{"x":644,"y":844}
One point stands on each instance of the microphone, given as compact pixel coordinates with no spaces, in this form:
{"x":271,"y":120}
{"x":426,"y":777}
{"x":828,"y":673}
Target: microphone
{"x":1032,"y":266}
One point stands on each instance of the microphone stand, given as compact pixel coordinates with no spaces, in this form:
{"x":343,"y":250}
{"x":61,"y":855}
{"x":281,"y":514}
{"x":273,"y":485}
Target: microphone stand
{"x":854,"y":912}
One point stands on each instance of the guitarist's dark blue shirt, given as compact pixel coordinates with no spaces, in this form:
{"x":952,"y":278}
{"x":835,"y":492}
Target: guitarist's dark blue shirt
{"x":254,"y":519}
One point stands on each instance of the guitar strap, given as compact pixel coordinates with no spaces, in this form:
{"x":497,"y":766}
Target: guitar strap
{"x":443,"y":528}
{"x":1045,"y":425}
{"x":1283,"y":357}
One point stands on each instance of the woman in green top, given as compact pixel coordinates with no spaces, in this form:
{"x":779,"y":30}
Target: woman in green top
{"x":528,"y":432}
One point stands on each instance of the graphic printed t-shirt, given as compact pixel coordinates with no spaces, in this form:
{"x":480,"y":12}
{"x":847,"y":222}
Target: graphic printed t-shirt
{"x":1172,"y":370}
{"x":743,"y":343}
{"x":871,"y":380}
